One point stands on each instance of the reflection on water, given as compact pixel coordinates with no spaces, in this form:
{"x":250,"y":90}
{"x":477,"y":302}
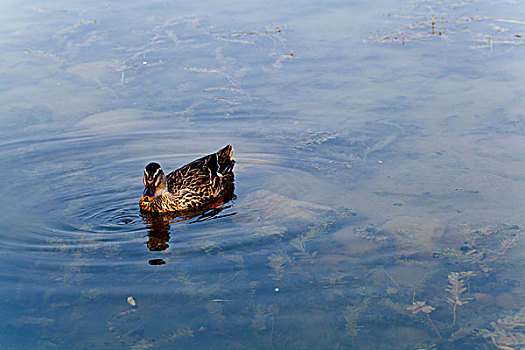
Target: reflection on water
{"x":158,"y":233}
{"x":379,"y":177}
{"x":158,"y":225}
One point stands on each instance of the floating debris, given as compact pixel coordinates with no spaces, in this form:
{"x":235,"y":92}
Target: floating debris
{"x":131,"y":301}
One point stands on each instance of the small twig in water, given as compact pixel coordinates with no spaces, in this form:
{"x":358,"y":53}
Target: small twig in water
{"x":393,"y":280}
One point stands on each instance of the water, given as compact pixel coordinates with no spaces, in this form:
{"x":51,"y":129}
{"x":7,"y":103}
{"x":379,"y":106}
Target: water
{"x":379,"y":166}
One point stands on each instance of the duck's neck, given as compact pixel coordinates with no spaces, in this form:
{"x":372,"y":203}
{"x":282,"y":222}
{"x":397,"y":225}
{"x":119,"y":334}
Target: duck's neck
{"x":162,"y":192}
{"x":162,"y":189}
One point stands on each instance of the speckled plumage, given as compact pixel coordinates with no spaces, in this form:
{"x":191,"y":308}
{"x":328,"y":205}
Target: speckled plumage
{"x":190,"y":187}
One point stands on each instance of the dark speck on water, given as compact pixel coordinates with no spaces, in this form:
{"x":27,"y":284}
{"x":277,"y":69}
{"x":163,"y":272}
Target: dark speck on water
{"x":379,"y":183}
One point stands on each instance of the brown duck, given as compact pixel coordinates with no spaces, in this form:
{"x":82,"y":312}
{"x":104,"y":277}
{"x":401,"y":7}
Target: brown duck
{"x":194,"y":186}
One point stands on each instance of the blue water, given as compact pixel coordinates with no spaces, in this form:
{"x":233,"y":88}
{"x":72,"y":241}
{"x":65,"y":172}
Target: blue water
{"x":379,"y":179}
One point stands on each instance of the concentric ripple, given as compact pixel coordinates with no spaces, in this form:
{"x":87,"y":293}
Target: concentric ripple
{"x":83,"y":193}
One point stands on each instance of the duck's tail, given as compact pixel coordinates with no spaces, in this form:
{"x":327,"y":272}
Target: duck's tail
{"x":225,"y":160}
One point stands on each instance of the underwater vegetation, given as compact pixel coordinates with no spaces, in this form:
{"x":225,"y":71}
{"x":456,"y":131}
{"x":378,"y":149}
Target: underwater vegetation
{"x":508,"y":332}
{"x":426,"y":20}
{"x":328,"y":264}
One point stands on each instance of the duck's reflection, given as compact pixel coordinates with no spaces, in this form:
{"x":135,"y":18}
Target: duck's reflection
{"x":156,"y":262}
{"x":158,"y":225}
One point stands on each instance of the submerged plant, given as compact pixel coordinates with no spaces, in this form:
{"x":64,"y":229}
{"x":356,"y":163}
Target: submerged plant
{"x":510,"y":240}
{"x":508,"y":333}
{"x":351,"y":315}
{"x":261,"y":316}
{"x":185,"y":332}
{"x":300,"y":245}
{"x":421,"y":306}
{"x":456,"y":288}
{"x":483,"y":249}
{"x":278,"y":262}
{"x":371,"y":233}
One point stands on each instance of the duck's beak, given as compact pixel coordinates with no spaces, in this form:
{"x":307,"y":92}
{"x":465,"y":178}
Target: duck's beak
{"x":148,"y":194}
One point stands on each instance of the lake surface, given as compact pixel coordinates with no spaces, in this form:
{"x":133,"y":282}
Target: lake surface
{"x":380,"y":176}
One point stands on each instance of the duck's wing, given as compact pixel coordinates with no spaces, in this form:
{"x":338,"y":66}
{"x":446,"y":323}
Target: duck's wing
{"x":202,"y":171}
{"x":191,"y":176}
{"x":196,"y":186}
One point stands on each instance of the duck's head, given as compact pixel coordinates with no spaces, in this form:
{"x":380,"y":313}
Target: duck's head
{"x":154,"y":182}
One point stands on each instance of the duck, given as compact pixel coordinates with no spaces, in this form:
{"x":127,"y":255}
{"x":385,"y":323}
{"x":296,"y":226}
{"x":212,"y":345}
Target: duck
{"x":193,"y":186}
